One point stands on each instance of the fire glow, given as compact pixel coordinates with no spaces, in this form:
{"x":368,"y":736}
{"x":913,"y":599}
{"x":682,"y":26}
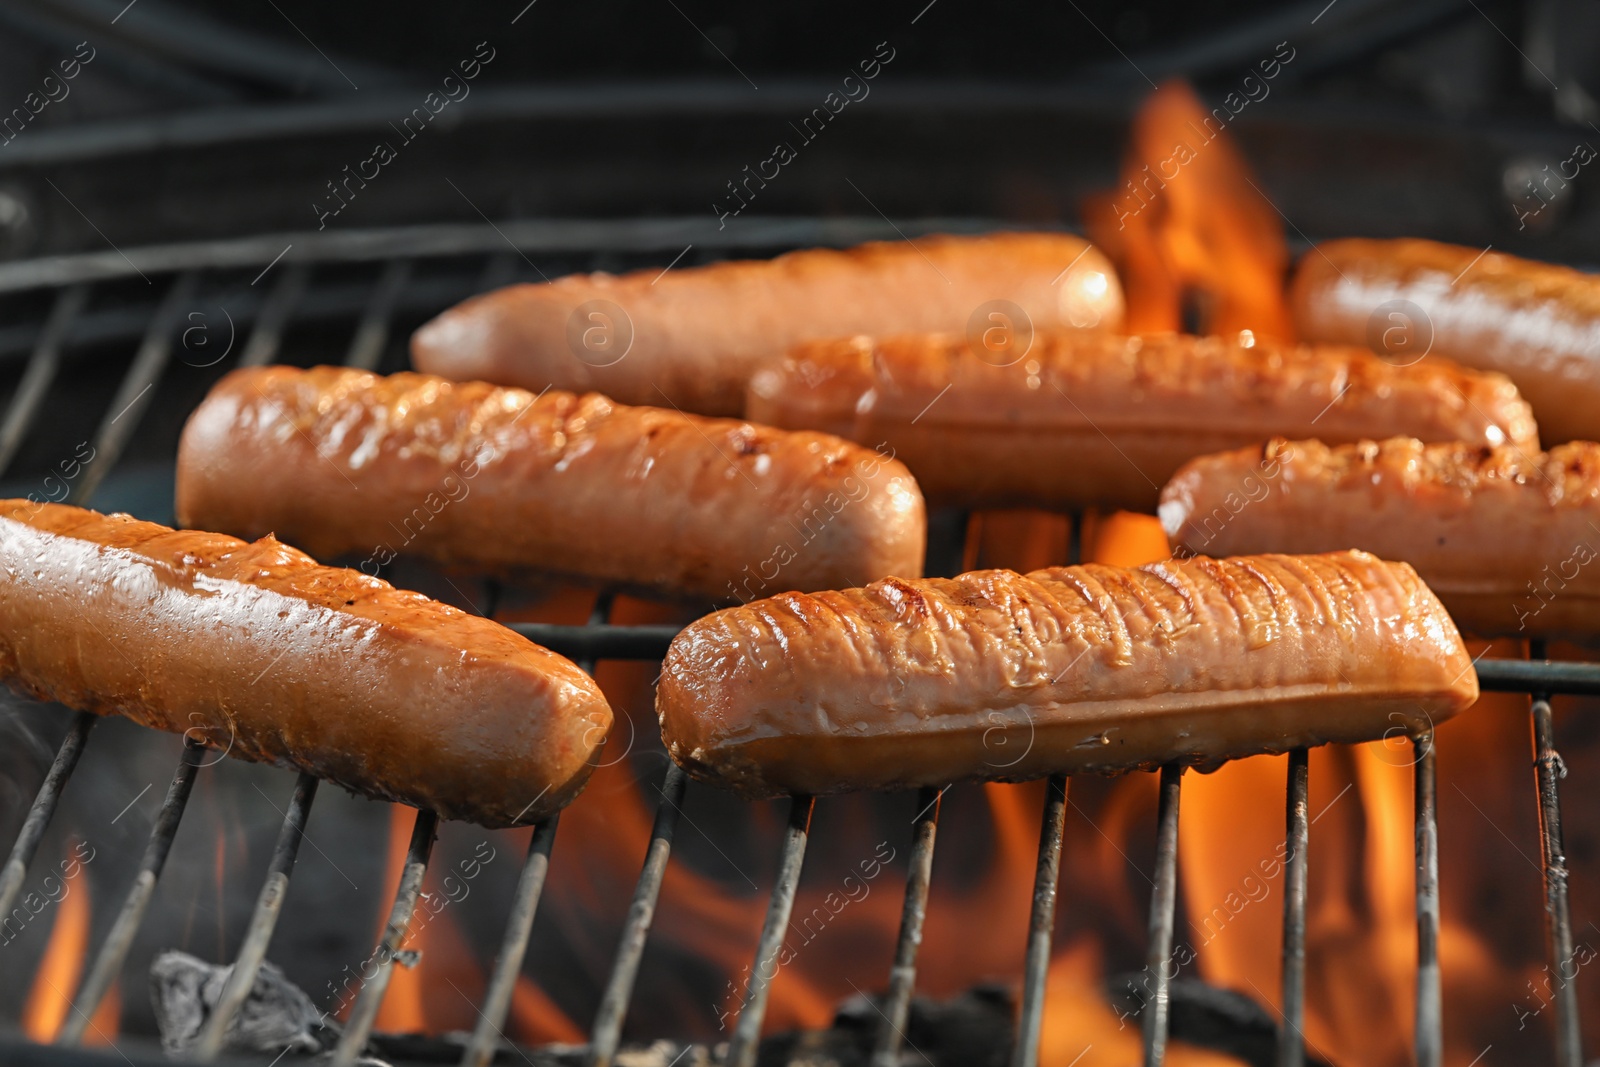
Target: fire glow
{"x":1207,"y":244}
{"x":55,"y":981}
{"x":1207,"y":239}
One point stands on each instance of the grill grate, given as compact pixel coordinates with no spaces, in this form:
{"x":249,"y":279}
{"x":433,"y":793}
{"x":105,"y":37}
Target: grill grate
{"x":65,"y":285}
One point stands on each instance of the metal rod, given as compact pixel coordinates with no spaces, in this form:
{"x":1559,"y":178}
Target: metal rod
{"x":370,"y":998}
{"x":137,"y":389}
{"x":1297,"y":834}
{"x":366,"y":348}
{"x":747,"y":1031}
{"x":487,"y":1035}
{"x":267,"y":334}
{"x":1538,"y":676}
{"x":43,"y":809}
{"x":1548,"y":771}
{"x":1041,"y":923}
{"x":1430,"y":1018}
{"x":903,"y":975}
{"x":269,"y":903}
{"x":641,"y":913}
{"x":42,"y":367}
{"x":108,"y":963}
{"x":1163,"y":911}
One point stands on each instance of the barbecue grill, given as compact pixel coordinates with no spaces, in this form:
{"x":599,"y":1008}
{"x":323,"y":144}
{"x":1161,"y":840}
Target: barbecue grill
{"x":219,"y":304}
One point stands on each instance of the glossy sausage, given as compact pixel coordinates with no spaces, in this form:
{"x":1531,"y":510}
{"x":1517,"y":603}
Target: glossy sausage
{"x":1082,"y":420}
{"x":1509,"y":540}
{"x":258,"y":651}
{"x":691,"y":338}
{"x":343,"y":461}
{"x":1067,"y":670}
{"x":1536,"y":323}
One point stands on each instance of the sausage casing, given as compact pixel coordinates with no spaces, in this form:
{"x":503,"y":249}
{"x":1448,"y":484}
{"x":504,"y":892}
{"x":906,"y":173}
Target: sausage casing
{"x":691,"y":338}
{"x":1509,"y":540}
{"x":1082,"y":420}
{"x":343,"y":461}
{"x":1537,"y":323}
{"x":256,"y":649}
{"x":1066,"y":670}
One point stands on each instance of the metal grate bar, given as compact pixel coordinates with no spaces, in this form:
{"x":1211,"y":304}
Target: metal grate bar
{"x":903,"y":975}
{"x":42,"y":367}
{"x":108,"y":963}
{"x":603,"y":642}
{"x":1430,"y":1016}
{"x":366,"y":348}
{"x":1163,"y":911}
{"x":1297,"y":835}
{"x":267,"y":334}
{"x":43,"y":809}
{"x":365,"y":1013}
{"x":137,"y":388}
{"x":641,"y":913}
{"x":1539,"y":675}
{"x":1041,"y":923}
{"x":747,"y":1031}
{"x":1549,"y":770}
{"x":269,"y":903}
{"x":487,"y":1035}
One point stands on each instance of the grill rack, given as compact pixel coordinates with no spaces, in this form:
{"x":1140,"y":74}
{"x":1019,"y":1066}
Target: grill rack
{"x":72,"y":279}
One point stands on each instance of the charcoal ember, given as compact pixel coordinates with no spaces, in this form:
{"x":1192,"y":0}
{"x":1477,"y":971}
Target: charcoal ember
{"x":970,"y":1030}
{"x":447,"y":1048}
{"x":276,"y":1017}
{"x":1208,"y":1016}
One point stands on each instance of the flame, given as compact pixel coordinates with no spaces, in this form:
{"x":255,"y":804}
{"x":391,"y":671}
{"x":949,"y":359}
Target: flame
{"x":443,"y":990}
{"x":1199,"y":233}
{"x":50,"y":997}
{"x":537,"y":1020}
{"x":402,"y":1009}
{"x":1189,"y":223}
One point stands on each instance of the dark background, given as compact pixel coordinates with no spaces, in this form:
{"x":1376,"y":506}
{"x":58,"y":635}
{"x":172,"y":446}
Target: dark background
{"x":198,"y":121}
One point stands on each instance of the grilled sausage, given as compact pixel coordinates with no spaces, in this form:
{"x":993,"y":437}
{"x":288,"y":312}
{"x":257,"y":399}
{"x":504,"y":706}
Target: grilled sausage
{"x":1072,"y":669}
{"x":1538,"y":324}
{"x":1507,"y":539}
{"x":691,"y":338}
{"x":1082,"y":420}
{"x":258,"y":650}
{"x":344,"y":461}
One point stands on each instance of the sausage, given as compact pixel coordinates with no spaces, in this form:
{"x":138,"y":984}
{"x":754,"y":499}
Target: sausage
{"x":691,"y":338}
{"x":256,"y":649}
{"x":1090,"y":669}
{"x":1507,"y":539}
{"x":343,"y":461}
{"x":1081,"y":420}
{"x":1536,"y":323}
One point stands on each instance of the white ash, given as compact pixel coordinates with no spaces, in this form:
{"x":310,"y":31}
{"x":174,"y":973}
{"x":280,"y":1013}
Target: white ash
{"x":276,"y":1017}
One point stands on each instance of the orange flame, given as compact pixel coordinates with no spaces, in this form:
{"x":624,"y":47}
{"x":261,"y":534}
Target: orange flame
{"x":1188,"y":222}
{"x":50,"y":997}
{"x":1187,"y":226}
{"x":442,"y":991}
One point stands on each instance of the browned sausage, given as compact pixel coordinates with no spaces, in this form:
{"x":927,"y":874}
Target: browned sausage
{"x":1081,"y":420}
{"x":1067,"y":670}
{"x":343,"y":461}
{"x":258,"y":650}
{"x":1508,"y":539}
{"x":1536,"y":323}
{"x":691,"y":338}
